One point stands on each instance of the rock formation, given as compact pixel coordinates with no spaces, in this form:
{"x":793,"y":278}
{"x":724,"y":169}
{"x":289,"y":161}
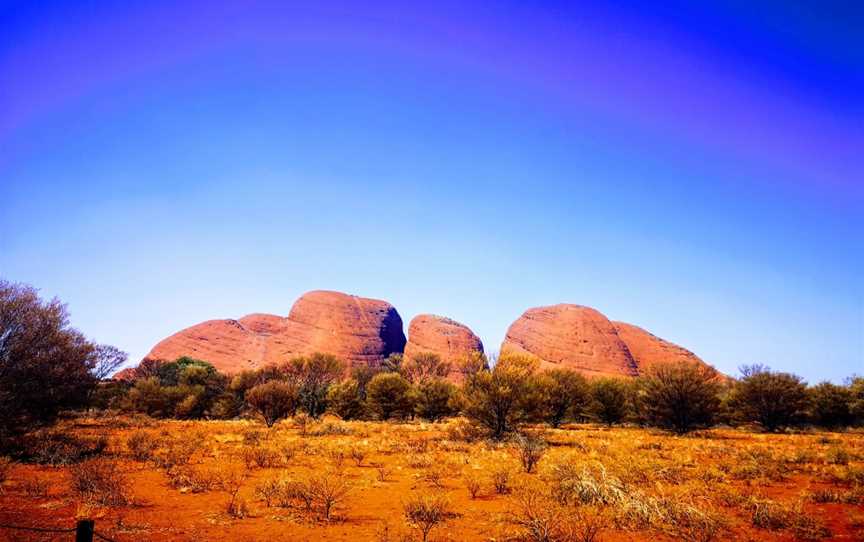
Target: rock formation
{"x":648,"y":350}
{"x":571,"y":337}
{"x":442,"y":336}
{"x":583,"y":339}
{"x":355,"y":329}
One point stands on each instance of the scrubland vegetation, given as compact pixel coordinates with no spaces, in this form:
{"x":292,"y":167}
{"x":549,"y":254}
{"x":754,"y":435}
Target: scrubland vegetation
{"x":312,"y":450}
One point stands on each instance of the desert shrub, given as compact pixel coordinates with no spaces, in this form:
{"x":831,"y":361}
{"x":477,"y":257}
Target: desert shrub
{"x":423,"y":367}
{"x":463,"y":430}
{"x":501,"y":480}
{"x":496,"y":399}
{"x":101,"y":481}
{"x":343,"y":399}
{"x":856,"y":399}
{"x":425,"y":511}
{"x":329,"y":490}
{"x":387,"y":395}
{"x":142,"y":444}
{"x":830,"y":405}
{"x":274,"y":400}
{"x":35,"y":488}
{"x":330,"y":429}
{"x":56,"y":448}
{"x":46,"y":366}
{"x":536,"y":518}
{"x":609,"y":400}
{"x":837,"y":456}
{"x":564,"y":395}
{"x":681,"y":396}
{"x":358,"y":454}
{"x":313,"y":376}
{"x":434,"y":399}
{"x":771,"y":399}
{"x":531,"y":450}
{"x":261,"y":457}
{"x":473,"y":484}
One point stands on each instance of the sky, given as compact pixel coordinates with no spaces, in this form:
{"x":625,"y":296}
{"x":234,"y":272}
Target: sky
{"x":697,"y":170}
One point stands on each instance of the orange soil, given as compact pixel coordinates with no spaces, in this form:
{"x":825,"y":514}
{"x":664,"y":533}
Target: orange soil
{"x":701,"y":468}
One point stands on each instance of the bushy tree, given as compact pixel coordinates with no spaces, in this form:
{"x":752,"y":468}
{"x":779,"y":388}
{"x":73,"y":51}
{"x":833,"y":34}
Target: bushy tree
{"x":434,"y":399}
{"x":470,"y":365}
{"x":184,"y":388}
{"x":856,"y":402}
{"x":388,"y":395}
{"x":564,"y":395}
{"x":312,"y":376}
{"x":46,"y":366}
{"x":496,"y":399}
{"x":274,"y":400}
{"x":609,"y":400}
{"x":681,"y":396}
{"x":771,"y":399}
{"x":830,"y":405}
{"x":424,"y":366}
{"x":344,"y":400}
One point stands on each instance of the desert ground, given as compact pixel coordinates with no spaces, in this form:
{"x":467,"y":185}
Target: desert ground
{"x":332,"y":480}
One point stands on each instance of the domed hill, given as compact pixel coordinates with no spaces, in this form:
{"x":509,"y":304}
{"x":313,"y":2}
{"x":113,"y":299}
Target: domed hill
{"x":571,"y":337}
{"x":443,"y":336}
{"x":355,"y":329}
{"x":581,"y":338}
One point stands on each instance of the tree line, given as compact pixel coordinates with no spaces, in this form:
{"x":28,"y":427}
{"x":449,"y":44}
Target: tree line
{"x":46,"y":366}
{"x":679,"y":396}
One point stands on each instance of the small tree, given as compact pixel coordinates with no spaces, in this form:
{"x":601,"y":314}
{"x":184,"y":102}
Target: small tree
{"x":770,"y":399}
{"x":313,"y":376}
{"x":681,"y":396}
{"x":46,"y":366}
{"x":425,"y":512}
{"x":470,"y":365}
{"x":830,"y":405}
{"x":274,"y":400}
{"x":434,"y":400}
{"x":387,"y":395}
{"x":564,"y":395}
{"x":496,"y":399}
{"x":344,"y":400}
{"x":609,"y":400}
{"x":424,"y":366}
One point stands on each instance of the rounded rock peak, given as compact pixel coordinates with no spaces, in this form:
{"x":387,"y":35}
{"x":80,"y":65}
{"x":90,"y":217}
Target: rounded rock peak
{"x":571,"y":336}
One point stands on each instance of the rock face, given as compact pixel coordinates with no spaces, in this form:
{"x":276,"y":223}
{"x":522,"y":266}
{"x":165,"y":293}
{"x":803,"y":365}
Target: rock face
{"x":583,"y":339}
{"x":649,"y":350}
{"x":355,"y":329}
{"x":443,"y":336}
{"x":571,"y":337}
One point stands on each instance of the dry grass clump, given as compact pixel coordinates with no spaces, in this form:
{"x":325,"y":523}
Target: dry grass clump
{"x":501,"y":480}
{"x":101,"y":482}
{"x":57,"y":448}
{"x":142,"y":444}
{"x":535,"y":517}
{"x":531,"y":450}
{"x":425,"y":511}
{"x":261,"y":457}
{"x":473,"y":484}
{"x":35,"y":488}
{"x":316,"y":495}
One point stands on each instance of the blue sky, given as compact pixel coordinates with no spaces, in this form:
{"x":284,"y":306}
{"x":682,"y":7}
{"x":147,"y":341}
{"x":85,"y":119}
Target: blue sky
{"x":695,"y":171}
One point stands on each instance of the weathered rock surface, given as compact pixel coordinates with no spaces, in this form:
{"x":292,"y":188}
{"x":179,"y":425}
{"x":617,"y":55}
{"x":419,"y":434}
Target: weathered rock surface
{"x":442,"y":336}
{"x":571,"y":337}
{"x":649,"y":350}
{"x":583,"y":339}
{"x":355,"y":329}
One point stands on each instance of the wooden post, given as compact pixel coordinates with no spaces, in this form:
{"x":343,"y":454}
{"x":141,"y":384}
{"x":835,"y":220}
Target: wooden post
{"x":84,"y":530}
